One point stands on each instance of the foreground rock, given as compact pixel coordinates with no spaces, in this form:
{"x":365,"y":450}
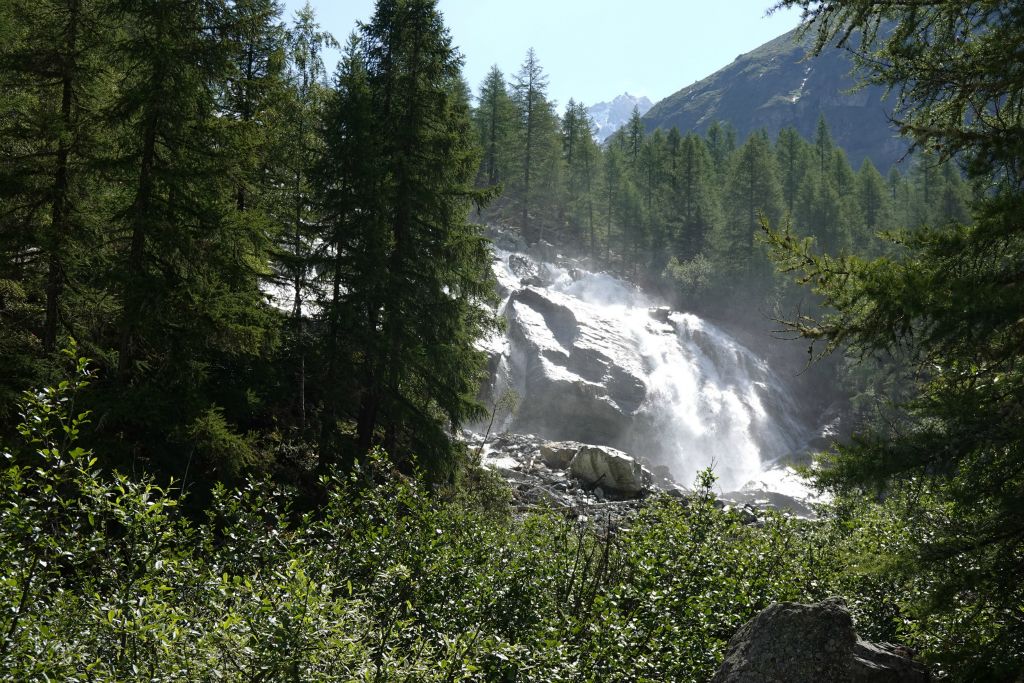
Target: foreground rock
{"x":794,"y":643}
{"x":558,"y":454}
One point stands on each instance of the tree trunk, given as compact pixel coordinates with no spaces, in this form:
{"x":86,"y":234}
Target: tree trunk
{"x":60,"y":223}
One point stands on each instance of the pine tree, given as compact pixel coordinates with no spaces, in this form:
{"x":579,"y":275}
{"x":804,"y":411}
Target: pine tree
{"x":429,"y":293}
{"x":949,"y":308}
{"x":355,"y":243}
{"x":495,"y":117}
{"x":633,"y":137}
{"x":537,"y":133}
{"x":579,"y":153}
{"x":823,"y":147}
{"x":721,"y":141}
{"x":187,"y":272}
{"x":298,"y":144}
{"x":651,"y":182}
{"x":874,"y":204}
{"x":52,"y":70}
{"x":613,"y":187}
{"x":255,"y":38}
{"x":793,"y":156}
{"x":697,"y":201}
{"x":752,"y":192}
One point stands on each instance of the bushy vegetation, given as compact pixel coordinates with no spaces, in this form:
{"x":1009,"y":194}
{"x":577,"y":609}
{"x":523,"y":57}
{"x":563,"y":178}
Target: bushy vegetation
{"x":387,"y":581}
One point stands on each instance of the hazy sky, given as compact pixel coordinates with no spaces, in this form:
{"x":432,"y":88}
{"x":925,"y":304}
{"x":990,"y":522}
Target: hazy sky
{"x":591,"y":50}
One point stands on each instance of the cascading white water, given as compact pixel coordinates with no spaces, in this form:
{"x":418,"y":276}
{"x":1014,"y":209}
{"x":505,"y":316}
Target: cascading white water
{"x":577,"y":337}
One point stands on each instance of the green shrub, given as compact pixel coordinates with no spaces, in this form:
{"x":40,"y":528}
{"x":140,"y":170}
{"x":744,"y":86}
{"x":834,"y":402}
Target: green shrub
{"x":101,"y":579}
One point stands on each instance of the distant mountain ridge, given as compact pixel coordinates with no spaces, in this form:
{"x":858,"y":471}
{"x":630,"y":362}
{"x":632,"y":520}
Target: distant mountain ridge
{"x":610,"y":116}
{"x":772,"y":88}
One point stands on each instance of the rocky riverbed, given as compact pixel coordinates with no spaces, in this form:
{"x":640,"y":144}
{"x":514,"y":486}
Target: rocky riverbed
{"x":595,"y":480}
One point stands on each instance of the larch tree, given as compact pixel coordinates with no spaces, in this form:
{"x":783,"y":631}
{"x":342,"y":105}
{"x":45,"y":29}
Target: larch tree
{"x":538,"y":143}
{"x":949,"y":309}
{"x":580,"y":154}
{"x":695,"y":199}
{"x":793,"y":159}
{"x":873,"y":203}
{"x":355,"y":242}
{"x":495,"y":118}
{"x":187,"y":272}
{"x":53,"y":70}
{"x":298,"y":144}
{"x":435,"y":288}
{"x":752,"y":192}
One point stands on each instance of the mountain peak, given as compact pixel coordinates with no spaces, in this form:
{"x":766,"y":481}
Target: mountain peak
{"x":610,"y":116}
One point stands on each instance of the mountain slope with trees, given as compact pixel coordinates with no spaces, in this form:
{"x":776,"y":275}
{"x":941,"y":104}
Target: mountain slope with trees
{"x":774,"y":87}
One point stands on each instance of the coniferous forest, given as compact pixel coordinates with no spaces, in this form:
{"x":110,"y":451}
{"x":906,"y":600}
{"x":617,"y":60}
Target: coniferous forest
{"x":241,"y":297}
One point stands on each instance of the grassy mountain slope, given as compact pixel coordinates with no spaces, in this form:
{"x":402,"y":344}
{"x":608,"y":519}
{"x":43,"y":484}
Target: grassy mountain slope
{"x":772,"y":87}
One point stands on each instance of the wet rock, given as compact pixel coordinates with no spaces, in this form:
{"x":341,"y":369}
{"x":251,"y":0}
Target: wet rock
{"x":522,"y":266}
{"x":794,"y":643}
{"x":659,"y":313}
{"x":611,"y":469}
{"x":578,"y":381}
{"x":663,"y":477}
{"x":558,"y":454}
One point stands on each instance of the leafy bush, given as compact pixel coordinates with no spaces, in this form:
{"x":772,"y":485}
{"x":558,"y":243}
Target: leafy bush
{"x":103,"y":580}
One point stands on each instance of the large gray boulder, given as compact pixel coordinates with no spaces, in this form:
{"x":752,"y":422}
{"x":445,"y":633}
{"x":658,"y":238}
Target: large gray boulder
{"x":794,"y":643}
{"x":611,"y":469}
{"x":558,"y":454}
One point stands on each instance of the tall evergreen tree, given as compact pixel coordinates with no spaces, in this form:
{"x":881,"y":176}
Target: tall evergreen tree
{"x":721,"y":141}
{"x":633,"y":137}
{"x":298,"y":143}
{"x":752,"y":193}
{"x":823,"y":147}
{"x":495,"y":119}
{"x":694,"y":199}
{"x":536,"y":130}
{"x":430,"y":291}
{"x":950,"y":308}
{"x":52,"y":67}
{"x":874,"y":203}
{"x":253,"y":89}
{"x":355,"y":243}
{"x":579,"y":153}
{"x":187,"y":277}
{"x":793,"y":157}
{"x":613,"y":189}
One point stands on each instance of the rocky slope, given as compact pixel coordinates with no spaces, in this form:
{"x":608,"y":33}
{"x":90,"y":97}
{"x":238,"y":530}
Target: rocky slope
{"x":773,"y":87}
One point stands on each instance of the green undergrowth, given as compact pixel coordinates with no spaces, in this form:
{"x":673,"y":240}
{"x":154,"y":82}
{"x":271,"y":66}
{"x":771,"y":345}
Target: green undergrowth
{"x":102,"y":579}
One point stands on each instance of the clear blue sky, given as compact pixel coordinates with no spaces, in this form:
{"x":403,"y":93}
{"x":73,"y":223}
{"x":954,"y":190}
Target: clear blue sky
{"x":591,"y":50}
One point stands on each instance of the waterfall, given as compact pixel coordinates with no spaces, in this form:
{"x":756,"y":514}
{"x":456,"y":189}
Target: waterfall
{"x":595,"y":359}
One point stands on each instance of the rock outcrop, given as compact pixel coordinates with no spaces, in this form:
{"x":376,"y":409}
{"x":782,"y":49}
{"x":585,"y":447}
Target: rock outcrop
{"x":578,"y":376}
{"x":794,"y":643}
{"x":593,"y":359}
